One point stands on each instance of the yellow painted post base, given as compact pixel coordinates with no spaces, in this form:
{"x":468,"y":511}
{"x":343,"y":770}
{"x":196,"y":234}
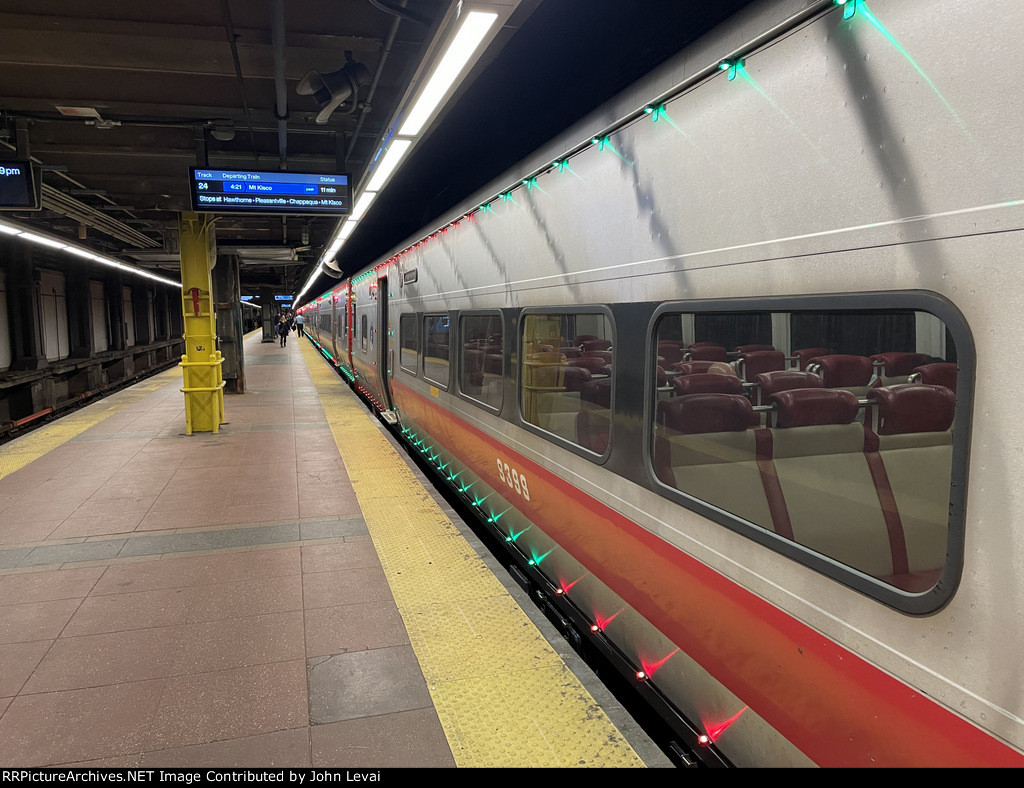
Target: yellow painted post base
{"x":204,"y":394}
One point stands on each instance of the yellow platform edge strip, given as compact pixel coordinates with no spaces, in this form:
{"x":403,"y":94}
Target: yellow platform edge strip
{"x":504,"y":697}
{"x":21,"y":451}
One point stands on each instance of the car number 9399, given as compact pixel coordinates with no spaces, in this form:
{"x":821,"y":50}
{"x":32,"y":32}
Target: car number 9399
{"x":515,"y":480}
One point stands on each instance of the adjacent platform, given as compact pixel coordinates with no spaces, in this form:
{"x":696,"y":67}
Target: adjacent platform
{"x":284,"y":593}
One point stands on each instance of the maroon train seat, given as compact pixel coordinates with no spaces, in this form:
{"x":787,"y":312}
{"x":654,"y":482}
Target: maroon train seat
{"x":769,"y":383}
{"x":741,"y":349}
{"x":940,"y":373}
{"x":596,"y":344}
{"x":671,"y":352}
{"x":806,"y":355}
{"x":909,"y":408}
{"x":690,"y":367}
{"x":751,"y":364}
{"x":706,"y":383}
{"x":853,"y":373}
{"x":706,"y":353}
{"x":912,"y":445}
{"x":898,"y":364}
{"x":593,"y":363}
{"x":813,"y":407}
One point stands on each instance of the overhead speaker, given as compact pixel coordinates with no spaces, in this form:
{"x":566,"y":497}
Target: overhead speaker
{"x":332,"y":90}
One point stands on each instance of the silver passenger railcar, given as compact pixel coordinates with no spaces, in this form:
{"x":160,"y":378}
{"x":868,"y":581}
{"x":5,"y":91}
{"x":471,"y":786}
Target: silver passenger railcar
{"x":730,"y":367}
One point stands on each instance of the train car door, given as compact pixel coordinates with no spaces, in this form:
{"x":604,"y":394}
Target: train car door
{"x":385,"y":349}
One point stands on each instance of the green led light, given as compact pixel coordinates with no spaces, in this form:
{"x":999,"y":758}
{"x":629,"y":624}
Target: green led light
{"x":486,"y":208}
{"x":538,"y":558}
{"x":655,"y":112}
{"x":513,"y":536}
{"x":529,"y":183}
{"x":600,"y":142}
{"x":849,"y":7}
{"x":506,"y":197}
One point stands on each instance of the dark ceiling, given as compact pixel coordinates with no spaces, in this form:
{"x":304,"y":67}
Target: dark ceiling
{"x":169,"y":86}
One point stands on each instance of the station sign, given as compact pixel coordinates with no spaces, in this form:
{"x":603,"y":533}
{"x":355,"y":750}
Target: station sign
{"x":19,"y":188}
{"x":213,"y":190}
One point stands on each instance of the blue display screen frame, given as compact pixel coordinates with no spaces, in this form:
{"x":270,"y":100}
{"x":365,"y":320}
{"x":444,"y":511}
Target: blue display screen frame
{"x":19,"y":186}
{"x":217,"y":190}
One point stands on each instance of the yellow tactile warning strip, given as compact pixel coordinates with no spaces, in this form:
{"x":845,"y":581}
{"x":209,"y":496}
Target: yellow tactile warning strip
{"x":504,"y":697}
{"x":21,"y":451}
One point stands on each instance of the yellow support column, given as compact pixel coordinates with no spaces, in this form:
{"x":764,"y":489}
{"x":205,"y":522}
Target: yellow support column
{"x":202,"y":362}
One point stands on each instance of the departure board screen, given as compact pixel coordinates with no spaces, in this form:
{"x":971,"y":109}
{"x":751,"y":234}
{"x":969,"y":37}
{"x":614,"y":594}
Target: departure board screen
{"x":215,"y":190}
{"x":17,"y":186}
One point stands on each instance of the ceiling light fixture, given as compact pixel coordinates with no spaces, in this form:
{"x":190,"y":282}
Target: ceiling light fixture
{"x":54,"y":243}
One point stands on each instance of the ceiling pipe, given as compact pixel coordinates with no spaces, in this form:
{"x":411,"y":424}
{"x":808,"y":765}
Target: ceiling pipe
{"x":280,"y":82}
{"x":368,"y":101}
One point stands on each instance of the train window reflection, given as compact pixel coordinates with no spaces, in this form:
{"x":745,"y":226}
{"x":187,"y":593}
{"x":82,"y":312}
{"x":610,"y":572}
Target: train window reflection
{"x":408,"y":336}
{"x":481,"y":371}
{"x":436,"y":353}
{"x":833,"y":430}
{"x":566,"y":378}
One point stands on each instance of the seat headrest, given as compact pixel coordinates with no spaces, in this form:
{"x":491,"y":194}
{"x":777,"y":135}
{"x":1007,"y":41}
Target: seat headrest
{"x":706,"y":383}
{"x":758,"y":361}
{"x":704,"y":413}
{"x":707,"y":353}
{"x":940,"y":373}
{"x":753,"y":348}
{"x":839,"y":370}
{"x":814,"y":407}
{"x":575,"y":377}
{"x":806,"y":355}
{"x":598,"y":392}
{"x":784,"y":380}
{"x":588,"y":362}
{"x":691,"y":367}
{"x":899,"y":363}
{"x":913,"y":407}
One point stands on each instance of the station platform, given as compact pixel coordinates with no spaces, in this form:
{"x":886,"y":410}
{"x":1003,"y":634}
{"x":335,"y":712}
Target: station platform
{"x":289,"y":592}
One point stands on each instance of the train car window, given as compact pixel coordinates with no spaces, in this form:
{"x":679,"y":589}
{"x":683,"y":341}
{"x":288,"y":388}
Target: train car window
{"x":409,"y":339}
{"x":483,"y":358}
{"x":566,"y":376}
{"x":364,"y":332}
{"x":436,"y":352}
{"x":838,"y":437}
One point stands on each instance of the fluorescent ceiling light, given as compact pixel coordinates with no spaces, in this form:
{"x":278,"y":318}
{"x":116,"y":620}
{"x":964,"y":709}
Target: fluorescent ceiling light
{"x":346,"y":230}
{"x":361,"y":205}
{"x":387,"y":165}
{"x":472,"y":32}
{"x":335,"y":244}
{"x":39,"y":239}
{"x":8,"y":230}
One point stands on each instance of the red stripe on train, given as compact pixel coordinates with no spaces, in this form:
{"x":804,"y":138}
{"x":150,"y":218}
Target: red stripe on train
{"x":834,"y":706}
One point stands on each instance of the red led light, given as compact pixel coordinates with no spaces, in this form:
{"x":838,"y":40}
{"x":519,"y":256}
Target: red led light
{"x":704,"y":739}
{"x":594,"y":628}
{"x":559,"y":591}
{"x":641,"y":675}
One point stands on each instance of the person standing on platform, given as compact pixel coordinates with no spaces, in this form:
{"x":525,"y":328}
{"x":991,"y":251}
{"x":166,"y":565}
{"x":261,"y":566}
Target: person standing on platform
{"x":299,"y":321}
{"x":283,"y":327}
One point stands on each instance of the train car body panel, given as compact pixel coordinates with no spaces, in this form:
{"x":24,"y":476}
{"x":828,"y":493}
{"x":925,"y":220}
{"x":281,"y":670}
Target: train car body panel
{"x":850,"y":166}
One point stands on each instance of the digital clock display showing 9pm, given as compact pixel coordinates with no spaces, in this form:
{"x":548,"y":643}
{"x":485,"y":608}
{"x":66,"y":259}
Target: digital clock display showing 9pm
{"x":214,"y":190}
